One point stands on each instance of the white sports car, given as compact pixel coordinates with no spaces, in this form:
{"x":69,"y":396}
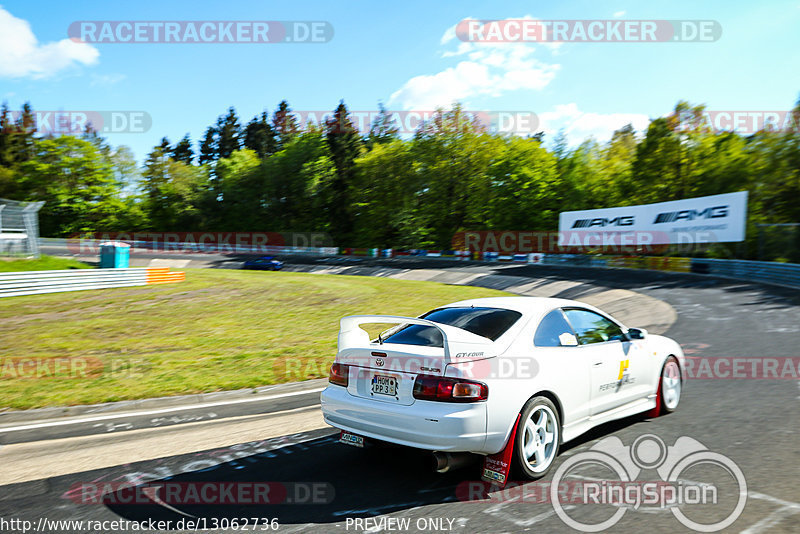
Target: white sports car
{"x":511,"y":376}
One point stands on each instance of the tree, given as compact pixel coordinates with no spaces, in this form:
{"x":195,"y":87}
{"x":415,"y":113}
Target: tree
{"x":229,"y":134}
{"x":284,"y":124}
{"x":240,"y":189}
{"x":23,"y":145}
{"x":453,"y":153}
{"x":612,"y":182}
{"x":208,"y":147}
{"x":298,"y":185}
{"x":16,"y":136}
{"x":183,"y":151}
{"x":173,"y":191}
{"x":260,"y":137}
{"x":344,"y":143}
{"x":6,"y":136}
{"x":524,"y":187}
{"x":383,"y":128}
{"x":656,"y":174}
{"x":126,"y":171}
{"x":76,"y":182}
{"x":383,"y":196}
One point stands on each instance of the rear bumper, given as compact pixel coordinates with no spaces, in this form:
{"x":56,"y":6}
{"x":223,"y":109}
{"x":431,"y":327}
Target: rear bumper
{"x":435,"y":426}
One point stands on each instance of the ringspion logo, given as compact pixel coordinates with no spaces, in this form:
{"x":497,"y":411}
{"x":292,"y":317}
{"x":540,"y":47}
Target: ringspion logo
{"x":704,"y":490}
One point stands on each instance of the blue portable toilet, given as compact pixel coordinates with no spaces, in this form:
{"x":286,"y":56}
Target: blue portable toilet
{"x":114,"y":255}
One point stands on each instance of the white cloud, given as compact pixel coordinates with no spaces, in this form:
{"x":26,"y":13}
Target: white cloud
{"x":487,"y":69}
{"x":106,"y":79}
{"x":449,"y":34}
{"x":21,"y":55}
{"x":619,"y":14}
{"x":580,"y":125}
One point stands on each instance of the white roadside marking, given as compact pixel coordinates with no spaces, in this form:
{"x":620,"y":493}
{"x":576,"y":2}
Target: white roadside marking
{"x":786,"y":509}
{"x":153,"y":412}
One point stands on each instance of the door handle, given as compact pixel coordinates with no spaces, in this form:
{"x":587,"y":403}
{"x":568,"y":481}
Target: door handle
{"x":598,"y":364}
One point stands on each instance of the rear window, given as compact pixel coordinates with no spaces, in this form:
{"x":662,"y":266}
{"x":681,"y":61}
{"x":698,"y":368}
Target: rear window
{"x":490,"y":323}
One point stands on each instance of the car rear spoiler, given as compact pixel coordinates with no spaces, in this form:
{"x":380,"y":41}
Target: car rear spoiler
{"x":457,"y":342}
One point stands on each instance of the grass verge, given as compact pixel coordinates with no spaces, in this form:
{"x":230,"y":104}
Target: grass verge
{"x":44,"y":263}
{"x":219,"y":330}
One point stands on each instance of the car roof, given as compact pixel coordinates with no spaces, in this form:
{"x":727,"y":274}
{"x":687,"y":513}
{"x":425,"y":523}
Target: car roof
{"x":524,"y":305}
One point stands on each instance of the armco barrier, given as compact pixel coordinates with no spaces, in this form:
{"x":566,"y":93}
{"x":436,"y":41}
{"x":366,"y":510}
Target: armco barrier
{"x":787,"y":274}
{"x":768,"y":272}
{"x":38,"y":282}
{"x":92,"y":246}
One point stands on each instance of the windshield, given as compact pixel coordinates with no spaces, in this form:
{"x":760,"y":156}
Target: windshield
{"x":490,"y":323}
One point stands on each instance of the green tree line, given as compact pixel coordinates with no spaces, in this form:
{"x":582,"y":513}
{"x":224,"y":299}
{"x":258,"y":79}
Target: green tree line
{"x":383,"y":189}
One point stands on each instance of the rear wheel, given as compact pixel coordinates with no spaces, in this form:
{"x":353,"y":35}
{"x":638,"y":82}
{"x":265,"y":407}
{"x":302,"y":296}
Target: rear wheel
{"x":538,"y":438}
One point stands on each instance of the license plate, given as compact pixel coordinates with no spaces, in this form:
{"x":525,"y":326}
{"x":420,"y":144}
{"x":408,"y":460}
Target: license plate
{"x":351,"y":439}
{"x":384,"y":385}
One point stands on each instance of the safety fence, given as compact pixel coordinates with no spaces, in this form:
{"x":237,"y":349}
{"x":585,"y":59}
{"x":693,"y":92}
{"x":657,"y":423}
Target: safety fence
{"x":92,"y":246}
{"x":37,"y":282}
{"x":787,"y":274}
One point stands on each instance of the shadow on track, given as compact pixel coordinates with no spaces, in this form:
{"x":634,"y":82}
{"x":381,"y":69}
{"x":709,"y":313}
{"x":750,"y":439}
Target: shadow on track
{"x":352,"y":483}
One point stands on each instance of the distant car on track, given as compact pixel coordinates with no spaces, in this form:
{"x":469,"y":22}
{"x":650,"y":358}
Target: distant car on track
{"x":467,"y":376}
{"x":264,"y":263}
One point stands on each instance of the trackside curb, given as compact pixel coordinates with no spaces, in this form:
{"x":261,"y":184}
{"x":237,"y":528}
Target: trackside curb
{"x":187,"y":401}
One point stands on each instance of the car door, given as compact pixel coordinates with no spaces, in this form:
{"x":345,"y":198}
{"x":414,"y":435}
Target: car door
{"x":563,"y":366}
{"x":616,"y":369}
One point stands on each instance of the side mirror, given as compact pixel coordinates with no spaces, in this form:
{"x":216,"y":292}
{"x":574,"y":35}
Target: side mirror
{"x":636,"y":333}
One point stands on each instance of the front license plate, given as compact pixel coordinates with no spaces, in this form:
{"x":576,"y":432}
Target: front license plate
{"x":384,"y":385}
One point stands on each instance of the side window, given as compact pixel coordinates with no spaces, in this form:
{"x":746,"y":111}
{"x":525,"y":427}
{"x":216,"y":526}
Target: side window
{"x":592,"y":327}
{"x":550,"y":330}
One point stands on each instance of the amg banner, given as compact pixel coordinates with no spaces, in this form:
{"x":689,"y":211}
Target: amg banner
{"x":712,"y":219}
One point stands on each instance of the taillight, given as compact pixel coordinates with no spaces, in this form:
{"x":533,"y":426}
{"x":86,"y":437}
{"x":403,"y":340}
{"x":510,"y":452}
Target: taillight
{"x":436,"y":388}
{"x":339,"y":373}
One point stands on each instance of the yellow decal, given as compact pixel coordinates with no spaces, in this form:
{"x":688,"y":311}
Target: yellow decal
{"x":623,"y":366}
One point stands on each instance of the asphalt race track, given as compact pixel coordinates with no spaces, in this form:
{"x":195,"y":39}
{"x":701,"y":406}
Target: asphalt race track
{"x":332,"y":487}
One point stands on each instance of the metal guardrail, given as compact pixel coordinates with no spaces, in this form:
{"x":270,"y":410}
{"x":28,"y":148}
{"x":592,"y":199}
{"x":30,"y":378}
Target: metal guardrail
{"x":85,"y":246}
{"x":16,"y":284}
{"x":787,"y":274}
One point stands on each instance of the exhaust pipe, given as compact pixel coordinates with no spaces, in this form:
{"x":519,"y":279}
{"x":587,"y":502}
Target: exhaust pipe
{"x":444,"y":462}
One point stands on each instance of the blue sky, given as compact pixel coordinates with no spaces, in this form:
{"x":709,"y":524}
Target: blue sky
{"x":403,"y":54}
